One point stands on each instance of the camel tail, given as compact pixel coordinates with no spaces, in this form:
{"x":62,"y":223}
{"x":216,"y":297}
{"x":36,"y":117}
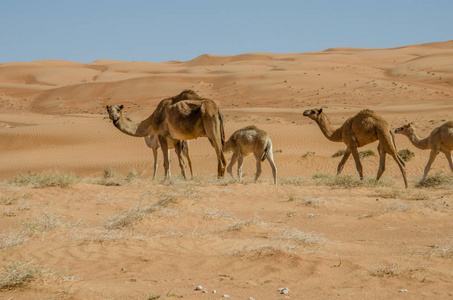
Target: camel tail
{"x":266,"y":150}
{"x":394,"y":146}
{"x":222,"y":129}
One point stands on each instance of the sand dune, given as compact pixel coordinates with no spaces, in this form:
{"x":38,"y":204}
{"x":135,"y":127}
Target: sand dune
{"x":242,"y":239}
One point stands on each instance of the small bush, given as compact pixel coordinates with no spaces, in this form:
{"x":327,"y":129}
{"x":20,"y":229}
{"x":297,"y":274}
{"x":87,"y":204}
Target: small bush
{"x":362,"y":154}
{"x":439,"y":179}
{"x":309,"y":153}
{"x":406,"y":154}
{"x":108,"y":173}
{"x":17,"y":275}
{"x":338,"y":153}
{"x":366,"y":153}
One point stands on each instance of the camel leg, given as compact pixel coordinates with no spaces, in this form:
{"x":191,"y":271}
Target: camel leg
{"x":270,"y":158}
{"x":185,"y":151}
{"x":182,"y":165}
{"x":448,"y":156}
{"x":400,"y":164}
{"x":358,"y":164}
{"x":212,"y":125}
{"x":432,"y":157}
{"x":346,"y":155}
{"x":155,"y":162}
{"x":234,"y":159}
{"x":382,"y":155}
{"x":258,"y":167}
{"x":240,"y":162}
{"x":165,"y":152}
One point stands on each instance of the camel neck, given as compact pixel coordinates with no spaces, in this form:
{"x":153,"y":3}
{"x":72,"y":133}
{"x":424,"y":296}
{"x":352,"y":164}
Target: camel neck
{"x":418,"y":141}
{"x":334,"y":135}
{"x":138,"y":129}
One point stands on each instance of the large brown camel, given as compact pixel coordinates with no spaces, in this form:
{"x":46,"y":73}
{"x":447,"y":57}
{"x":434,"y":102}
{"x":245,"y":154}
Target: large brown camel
{"x":186,"y":116}
{"x":360,"y":130}
{"x":248,"y":140}
{"x":152,"y":141}
{"x":439,"y":140}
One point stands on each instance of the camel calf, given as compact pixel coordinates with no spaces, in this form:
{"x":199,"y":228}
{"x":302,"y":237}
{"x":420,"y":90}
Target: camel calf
{"x":248,"y":140}
{"x":439,"y":140}
{"x":152,"y":141}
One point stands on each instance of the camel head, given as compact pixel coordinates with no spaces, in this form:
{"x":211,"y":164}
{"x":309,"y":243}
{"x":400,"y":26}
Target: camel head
{"x":114,"y":112}
{"x":406,"y":129}
{"x":313,"y":113}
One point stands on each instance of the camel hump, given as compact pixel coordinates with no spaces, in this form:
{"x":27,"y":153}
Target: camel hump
{"x":186,"y":95}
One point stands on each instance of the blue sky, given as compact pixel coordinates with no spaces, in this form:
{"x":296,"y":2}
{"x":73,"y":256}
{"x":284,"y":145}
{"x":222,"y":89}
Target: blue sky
{"x":157,"y":31}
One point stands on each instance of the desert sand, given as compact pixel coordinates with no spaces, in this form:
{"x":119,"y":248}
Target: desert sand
{"x":129,"y":237}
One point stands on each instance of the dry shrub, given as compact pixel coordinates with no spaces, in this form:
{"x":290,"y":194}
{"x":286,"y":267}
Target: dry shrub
{"x":401,"y":194}
{"x":46,"y":179}
{"x":292,"y":181}
{"x":438,"y":180}
{"x":406,"y":154}
{"x":362,"y":154}
{"x":16,"y":275}
{"x":350,"y":181}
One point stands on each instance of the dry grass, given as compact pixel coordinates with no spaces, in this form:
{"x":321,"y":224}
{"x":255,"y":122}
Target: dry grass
{"x":362,"y":154}
{"x":46,"y":179}
{"x":350,"y":181}
{"x":406,"y":154}
{"x":297,"y":181}
{"x":394,"y":193}
{"x":443,"y":249}
{"x":305,"y":200}
{"x":438,"y":180}
{"x":16,"y":275}
{"x":301,"y":238}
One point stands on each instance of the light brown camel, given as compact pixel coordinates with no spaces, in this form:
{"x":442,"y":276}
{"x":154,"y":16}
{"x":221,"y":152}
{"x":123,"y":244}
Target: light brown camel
{"x":152,"y":141}
{"x":186,"y":116}
{"x":250,"y":140}
{"x":360,"y":130}
{"x":439,"y":140}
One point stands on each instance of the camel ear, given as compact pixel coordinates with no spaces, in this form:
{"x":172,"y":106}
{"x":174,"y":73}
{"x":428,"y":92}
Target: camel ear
{"x":121,"y":107}
{"x":319,"y":110}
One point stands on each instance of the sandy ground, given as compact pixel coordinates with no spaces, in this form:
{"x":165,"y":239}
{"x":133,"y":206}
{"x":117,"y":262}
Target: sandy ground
{"x":134,"y":238}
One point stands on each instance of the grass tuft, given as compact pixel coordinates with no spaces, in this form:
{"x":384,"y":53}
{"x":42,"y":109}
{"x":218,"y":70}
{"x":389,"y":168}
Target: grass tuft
{"x":16,"y":275}
{"x":406,"y":154}
{"x":349,"y":181}
{"x":438,"y":180}
{"x":338,"y":153}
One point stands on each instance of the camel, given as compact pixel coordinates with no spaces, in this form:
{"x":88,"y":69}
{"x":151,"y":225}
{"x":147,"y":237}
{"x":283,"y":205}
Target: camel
{"x":250,"y":140}
{"x":152,"y":141}
{"x":360,"y":130}
{"x":185,"y":116}
{"x":439,"y":140}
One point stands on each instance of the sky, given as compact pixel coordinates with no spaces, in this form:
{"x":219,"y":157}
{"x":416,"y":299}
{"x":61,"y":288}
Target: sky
{"x":165,"y":30}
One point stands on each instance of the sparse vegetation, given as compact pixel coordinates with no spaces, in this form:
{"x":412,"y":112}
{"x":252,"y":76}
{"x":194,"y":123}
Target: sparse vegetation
{"x":362,"y":154}
{"x":366,"y":153}
{"x":338,"y":153}
{"x":309,"y":153}
{"x":350,"y":181}
{"x":16,"y":275}
{"x":439,"y":180}
{"x":406,"y":154}
{"x":47,"y":179}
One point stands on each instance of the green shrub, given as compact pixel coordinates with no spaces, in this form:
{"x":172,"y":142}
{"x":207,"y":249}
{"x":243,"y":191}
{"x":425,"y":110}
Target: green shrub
{"x":406,"y":154}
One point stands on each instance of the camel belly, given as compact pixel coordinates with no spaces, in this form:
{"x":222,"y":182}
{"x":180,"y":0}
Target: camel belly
{"x":184,"y":133}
